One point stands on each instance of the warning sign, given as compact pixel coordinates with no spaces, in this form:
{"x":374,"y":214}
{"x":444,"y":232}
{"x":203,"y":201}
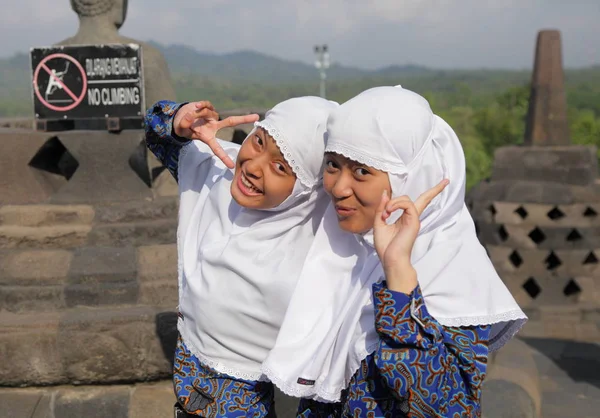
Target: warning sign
{"x":87,"y":82}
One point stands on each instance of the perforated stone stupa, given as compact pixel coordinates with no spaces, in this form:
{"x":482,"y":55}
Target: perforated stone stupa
{"x":539,"y":214}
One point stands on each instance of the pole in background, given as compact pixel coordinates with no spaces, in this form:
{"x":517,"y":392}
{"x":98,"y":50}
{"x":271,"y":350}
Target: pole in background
{"x":322,"y":64}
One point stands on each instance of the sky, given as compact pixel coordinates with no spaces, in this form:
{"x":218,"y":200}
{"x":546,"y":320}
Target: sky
{"x":360,"y":33}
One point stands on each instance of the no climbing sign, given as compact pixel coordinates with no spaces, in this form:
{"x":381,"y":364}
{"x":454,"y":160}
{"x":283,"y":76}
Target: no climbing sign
{"x":87,"y":82}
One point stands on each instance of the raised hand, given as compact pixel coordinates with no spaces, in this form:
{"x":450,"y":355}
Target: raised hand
{"x":394,"y":242}
{"x":199,"y":121}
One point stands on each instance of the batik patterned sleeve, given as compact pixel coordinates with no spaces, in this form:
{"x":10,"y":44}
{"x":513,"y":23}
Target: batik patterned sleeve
{"x":160,"y":138}
{"x":433,"y":370}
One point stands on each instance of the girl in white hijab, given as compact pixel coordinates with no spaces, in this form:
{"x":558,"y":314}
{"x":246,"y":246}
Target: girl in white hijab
{"x":242,"y":239}
{"x":403,"y":309}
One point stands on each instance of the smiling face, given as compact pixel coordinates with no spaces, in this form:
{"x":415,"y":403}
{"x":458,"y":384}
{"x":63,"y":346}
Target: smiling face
{"x":355,"y":190}
{"x":263,"y":179}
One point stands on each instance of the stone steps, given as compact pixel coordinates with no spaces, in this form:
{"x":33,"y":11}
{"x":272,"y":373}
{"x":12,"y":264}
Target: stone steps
{"x":52,"y":280}
{"x":86,"y":345}
{"x":74,"y":236}
{"x":142,"y":400}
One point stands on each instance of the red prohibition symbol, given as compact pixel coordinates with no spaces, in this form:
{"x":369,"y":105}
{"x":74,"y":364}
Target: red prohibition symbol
{"x":57,"y":80}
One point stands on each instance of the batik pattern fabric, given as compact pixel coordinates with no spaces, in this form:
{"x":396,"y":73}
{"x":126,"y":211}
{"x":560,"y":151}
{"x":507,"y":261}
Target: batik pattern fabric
{"x":419,"y":369}
{"x":204,"y":392}
{"x":160,"y":138}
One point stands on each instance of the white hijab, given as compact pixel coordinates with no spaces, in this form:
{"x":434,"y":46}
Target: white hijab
{"x":329,"y":327}
{"x":236,"y":270}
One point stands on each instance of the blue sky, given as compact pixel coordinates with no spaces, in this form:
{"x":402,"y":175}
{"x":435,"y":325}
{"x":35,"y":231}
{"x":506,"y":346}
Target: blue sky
{"x":361,"y":33}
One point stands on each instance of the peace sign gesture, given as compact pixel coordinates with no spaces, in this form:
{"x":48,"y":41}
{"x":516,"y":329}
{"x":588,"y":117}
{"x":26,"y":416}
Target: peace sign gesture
{"x":394,"y":242}
{"x":200,"y":121}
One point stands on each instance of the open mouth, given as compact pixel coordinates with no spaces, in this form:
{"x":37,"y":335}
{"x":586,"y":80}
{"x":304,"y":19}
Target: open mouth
{"x":247,"y":187}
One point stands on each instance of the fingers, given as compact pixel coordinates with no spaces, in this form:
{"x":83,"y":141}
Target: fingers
{"x":380,"y":213}
{"x":204,"y":104}
{"x":237,"y":120}
{"x":410,"y":214}
{"x":220,"y":153}
{"x":191,"y":117}
{"x":425,"y":199}
{"x":393,"y":204}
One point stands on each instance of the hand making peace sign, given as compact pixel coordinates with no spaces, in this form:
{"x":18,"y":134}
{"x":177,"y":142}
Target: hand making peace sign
{"x":199,"y":121}
{"x":394,"y":242}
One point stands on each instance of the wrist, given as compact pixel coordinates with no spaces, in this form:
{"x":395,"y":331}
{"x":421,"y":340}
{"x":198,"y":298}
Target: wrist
{"x":401,"y":277}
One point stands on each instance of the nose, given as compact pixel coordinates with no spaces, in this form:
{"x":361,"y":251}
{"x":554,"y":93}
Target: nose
{"x":342,"y":187}
{"x":253,"y":167}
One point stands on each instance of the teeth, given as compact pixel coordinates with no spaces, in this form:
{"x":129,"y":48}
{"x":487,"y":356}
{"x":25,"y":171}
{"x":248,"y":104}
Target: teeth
{"x":249,"y":185}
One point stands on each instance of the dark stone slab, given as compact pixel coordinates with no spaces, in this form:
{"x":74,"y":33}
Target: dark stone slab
{"x":136,"y":211}
{"x":93,"y":403}
{"x":577,"y":165}
{"x":100,"y":276}
{"x":505,"y":399}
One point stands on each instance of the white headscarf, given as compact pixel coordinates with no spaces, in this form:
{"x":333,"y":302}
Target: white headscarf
{"x":329,"y":327}
{"x":238,"y":267}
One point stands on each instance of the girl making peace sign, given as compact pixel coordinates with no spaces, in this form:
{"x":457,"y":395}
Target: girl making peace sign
{"x":397,"y":305}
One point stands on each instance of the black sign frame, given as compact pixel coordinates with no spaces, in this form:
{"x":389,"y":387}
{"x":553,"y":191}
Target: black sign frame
{"x":101,"y":84}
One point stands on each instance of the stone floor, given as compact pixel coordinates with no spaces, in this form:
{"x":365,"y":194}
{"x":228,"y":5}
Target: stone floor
{"x":569,"y":377}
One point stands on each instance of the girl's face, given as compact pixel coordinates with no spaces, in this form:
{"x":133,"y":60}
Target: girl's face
{"x":355,"y":190}
{"x":262,"y":179}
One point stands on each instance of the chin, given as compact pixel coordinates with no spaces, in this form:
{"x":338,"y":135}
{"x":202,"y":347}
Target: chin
{"x":352,"y":226}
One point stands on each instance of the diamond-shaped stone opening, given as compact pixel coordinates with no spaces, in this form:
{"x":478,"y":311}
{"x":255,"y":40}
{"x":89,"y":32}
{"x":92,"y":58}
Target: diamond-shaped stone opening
{"x":53,"y":157}
{"x":552,"y":261}
{"x":555,"y":214}
{"x":138,"y":162}
{"x":572,"y":288}
{"x":521,"y":212}
{"x":574,"y":235}
{"x":532,"y":288}
{"x":537,"y":235}
{"x":515,"y":259}
{"x":502,"y":233}
{"x":590,"y":213}
{"x":492,"y":210}
{"x":591,"y":259}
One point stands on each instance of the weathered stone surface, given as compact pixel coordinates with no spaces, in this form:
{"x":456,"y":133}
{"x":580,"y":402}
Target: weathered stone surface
{"x":512,"y":387}
{"x":153,"y":400}
{"x":157,"y":275}
{"x":20,"y":183}
{"x":34,"y":267}
{"x":134,"y":234}
{"x":46,"y":215}
{"x":93,"y":402}
{"x":58,"y":236}
{"x":104,"y":172}
{"x":136,"y":211}
{"x":100,"y":276}
{"x":29,"y":351}
{"x":504,"y":399}
{"x":576,"y":165}
{"x":19,"y":403}
{"x":126,"y":345}
{"x":547,"y":116}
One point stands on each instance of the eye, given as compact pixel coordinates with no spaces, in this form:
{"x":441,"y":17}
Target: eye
{"x":361,"y":172}
{"x":280,"y":167}
{"x":258,"y":140}
{"x":331,"y":165}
